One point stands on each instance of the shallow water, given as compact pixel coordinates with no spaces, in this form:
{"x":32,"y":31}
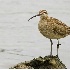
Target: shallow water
{"x":21,"y":40}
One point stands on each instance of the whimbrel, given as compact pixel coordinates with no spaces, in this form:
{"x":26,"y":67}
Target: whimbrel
{"x":52,"y":28}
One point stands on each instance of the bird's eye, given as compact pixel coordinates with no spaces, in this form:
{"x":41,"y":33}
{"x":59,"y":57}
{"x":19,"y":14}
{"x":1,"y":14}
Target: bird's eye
{"x":45,"y":12}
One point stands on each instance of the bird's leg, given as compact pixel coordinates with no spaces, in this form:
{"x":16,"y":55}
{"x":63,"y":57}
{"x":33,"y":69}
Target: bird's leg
{"x":51,"y":47}
{"x":58,"y":47}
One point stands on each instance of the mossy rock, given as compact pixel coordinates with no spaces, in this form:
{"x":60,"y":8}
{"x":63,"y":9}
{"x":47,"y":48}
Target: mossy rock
{"x":47,"y":62}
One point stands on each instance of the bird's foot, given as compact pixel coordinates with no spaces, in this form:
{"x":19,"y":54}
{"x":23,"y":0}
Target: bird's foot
{"x":51,"y":55}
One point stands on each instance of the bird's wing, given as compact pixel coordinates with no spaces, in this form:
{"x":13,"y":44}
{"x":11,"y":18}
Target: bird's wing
{"x":59,"y":27}
{"x":58,"y":21}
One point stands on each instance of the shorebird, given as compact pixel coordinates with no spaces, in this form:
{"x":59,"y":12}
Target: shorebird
{"x":52,"y":28}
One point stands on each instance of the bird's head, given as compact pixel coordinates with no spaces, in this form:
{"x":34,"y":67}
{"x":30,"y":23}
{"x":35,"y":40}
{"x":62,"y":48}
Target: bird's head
{"x":42,"y":13}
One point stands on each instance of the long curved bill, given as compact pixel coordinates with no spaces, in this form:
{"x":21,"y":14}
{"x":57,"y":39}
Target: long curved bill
{"x":33,"y":17}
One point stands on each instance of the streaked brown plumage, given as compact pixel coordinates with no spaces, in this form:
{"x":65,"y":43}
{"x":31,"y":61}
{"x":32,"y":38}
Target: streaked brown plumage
{"x":52,"y":28}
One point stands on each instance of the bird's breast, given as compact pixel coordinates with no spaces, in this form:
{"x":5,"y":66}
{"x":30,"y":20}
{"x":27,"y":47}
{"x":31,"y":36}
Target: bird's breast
{"x":47,"y":31}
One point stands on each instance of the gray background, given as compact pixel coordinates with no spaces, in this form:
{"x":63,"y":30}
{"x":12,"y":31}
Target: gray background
{"x":21,"y":40}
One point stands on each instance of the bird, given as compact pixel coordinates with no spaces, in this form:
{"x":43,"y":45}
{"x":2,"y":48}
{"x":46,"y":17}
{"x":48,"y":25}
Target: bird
{"x":52,"y":28}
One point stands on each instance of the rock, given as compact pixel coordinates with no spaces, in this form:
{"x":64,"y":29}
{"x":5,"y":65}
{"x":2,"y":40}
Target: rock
{"x":47,"y":62}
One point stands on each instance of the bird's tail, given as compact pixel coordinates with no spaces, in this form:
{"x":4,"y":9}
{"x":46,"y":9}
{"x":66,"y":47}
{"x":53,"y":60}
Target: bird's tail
{"x":68,"y":30}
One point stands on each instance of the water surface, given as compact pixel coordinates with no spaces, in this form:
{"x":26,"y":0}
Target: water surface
{"x":21,"y":40}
